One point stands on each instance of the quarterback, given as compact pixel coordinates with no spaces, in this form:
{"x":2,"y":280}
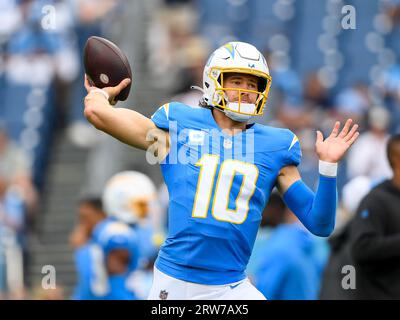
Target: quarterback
{"x":220,"y":170}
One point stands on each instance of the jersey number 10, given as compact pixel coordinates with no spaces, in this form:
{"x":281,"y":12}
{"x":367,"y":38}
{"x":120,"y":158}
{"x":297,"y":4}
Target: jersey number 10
{"x":228,"y":170}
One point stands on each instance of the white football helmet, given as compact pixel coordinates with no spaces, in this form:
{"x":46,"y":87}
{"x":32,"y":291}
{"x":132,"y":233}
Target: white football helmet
{"x":127,"y":196}
{"x":235,"y":57}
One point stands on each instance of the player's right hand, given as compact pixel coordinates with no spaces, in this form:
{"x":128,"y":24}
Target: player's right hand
{"x":112,"y":92}
{"x":78,"y":237}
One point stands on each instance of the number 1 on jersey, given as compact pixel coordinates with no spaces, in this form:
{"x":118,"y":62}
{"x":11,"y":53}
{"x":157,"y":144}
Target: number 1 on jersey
{"x":229,"y":169}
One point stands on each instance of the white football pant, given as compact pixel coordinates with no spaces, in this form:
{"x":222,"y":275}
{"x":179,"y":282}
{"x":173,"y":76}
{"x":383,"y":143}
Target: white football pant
{"x":168,"y":288}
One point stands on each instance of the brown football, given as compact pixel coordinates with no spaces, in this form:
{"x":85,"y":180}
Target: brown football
{"x":106,"y":65}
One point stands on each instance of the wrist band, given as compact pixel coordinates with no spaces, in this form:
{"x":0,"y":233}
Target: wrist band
{"x":105,"y":94}
{"x":328,"y":169}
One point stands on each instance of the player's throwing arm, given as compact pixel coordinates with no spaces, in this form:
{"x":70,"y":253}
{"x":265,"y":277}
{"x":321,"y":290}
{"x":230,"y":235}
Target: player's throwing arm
{"x":126,"y":125}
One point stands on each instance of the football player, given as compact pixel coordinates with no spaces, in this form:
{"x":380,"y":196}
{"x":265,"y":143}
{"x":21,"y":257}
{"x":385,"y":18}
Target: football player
{"x":90,"y":213}
{"x":108,"y":260}
{"x":220,"y":170}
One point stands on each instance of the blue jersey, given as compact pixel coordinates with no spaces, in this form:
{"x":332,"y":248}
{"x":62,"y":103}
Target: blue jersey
{"x":218,"y":186}
{"x":94,"y":282}
{"x":83,"y":264}
{"x":288,"y":266}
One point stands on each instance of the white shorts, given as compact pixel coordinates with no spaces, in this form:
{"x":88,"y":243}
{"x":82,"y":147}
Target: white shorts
{"x":165,"y":287}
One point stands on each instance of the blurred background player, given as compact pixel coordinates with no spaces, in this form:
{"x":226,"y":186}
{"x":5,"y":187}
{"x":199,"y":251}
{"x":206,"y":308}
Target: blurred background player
{"x":290,"y":261}
{"x":90,"y":213}
{"x":117,"y":244}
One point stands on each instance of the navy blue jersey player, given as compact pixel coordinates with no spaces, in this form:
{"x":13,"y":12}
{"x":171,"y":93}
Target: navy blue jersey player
{"x":220,"y":170}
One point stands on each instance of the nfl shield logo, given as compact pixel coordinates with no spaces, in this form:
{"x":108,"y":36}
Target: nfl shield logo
{"x":196,"y":137}
{"x":163,"y":295}
{"x":227,"y":144}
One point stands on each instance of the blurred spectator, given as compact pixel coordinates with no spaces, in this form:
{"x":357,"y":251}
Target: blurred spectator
{"x":91,"y":18}
{"x":375,"y":235}
{"x":47,"y":47}
{"x":368,"y":157}
{"x":390,"y":89}
{"x":353,"y":103}
{"x":193,"y":59}
{"x":285,"y":100}
{"x":289,"y":267}
{"x":15,"y":169}
{"x":309,"y":159}
{"x":316,"y":95}
{"x":16,"y":165}
{"x":170,"y":32}
{"x":392,"y":8}
{"x":90,"y":12}
{"x":12,"y":225}
{"x":11,"y":18}
{"x":313,"y":109}
{"x":38,"y":52}
{"x":331,"y":288}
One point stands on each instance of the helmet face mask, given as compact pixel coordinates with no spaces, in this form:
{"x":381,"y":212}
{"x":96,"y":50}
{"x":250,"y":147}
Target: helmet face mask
{"x":221,"y":100}
{"x":140,"y":207}
{"x":239,"y":58}
{"x":128,"y":196}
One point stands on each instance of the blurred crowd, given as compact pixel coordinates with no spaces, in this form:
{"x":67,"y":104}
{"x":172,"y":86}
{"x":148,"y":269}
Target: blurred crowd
{"x":168,"y":43}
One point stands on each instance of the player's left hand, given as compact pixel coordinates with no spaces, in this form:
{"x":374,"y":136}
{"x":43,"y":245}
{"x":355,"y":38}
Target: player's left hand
{"x":333,"y":148}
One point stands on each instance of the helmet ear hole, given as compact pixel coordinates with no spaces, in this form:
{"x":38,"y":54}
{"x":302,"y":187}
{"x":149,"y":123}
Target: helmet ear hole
{"x":262,"y":84}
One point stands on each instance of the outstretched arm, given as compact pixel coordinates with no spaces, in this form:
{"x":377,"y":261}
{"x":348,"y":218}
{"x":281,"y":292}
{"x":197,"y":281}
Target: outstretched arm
{"x":126,"y":125}
{"x":317,"y":211}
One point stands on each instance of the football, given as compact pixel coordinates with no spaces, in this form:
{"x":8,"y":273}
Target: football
{"x":106,"y":65}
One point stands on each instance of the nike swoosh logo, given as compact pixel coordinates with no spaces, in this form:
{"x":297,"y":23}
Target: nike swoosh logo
{"x":234,"y":285}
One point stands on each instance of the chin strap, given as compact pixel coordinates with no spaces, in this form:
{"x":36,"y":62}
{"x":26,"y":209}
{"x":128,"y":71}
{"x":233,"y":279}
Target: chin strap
{"x":197,"y":88}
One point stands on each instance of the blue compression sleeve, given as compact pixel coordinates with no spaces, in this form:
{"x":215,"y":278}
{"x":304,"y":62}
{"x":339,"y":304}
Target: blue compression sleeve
{"x":316,"y":211}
